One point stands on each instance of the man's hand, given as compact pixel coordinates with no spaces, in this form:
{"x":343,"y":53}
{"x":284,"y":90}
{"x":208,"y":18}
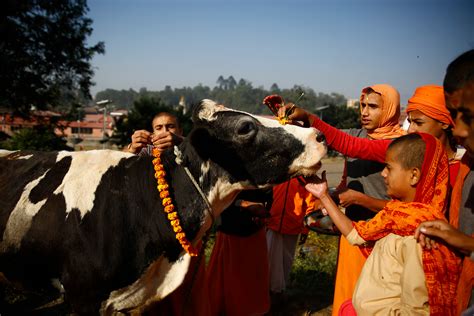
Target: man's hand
{"x":442,"y":230}
{"x":348,"y":197}
{"x":164,"y":140}
{"x":140,"y":139}
{"x":295,"y":115}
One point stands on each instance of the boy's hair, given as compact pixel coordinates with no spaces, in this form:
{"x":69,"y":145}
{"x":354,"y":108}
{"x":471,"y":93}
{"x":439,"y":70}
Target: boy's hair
{"x":410,"y":150}
{"x":459,"y":72}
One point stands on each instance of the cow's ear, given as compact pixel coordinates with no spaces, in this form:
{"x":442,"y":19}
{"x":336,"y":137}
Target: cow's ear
{"x":195,"y":108}
{"x":201,"y":141}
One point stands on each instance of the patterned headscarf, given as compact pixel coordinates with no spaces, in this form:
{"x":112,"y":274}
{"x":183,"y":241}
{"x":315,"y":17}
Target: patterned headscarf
{"x":441,"y":266}
{"x":388,"y":127}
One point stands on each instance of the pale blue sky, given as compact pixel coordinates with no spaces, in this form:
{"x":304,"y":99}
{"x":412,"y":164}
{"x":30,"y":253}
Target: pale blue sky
{"x":329,"y":46}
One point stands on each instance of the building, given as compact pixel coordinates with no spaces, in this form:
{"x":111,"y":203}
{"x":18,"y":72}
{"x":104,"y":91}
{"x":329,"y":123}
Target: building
{"x":90,"y":132}
{"x":352,"y":103}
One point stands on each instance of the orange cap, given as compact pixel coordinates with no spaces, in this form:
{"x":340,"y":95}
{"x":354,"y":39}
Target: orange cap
{"x":429,"y":100}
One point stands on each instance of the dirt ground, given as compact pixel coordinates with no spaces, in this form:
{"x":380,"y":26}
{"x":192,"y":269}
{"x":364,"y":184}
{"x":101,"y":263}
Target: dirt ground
{"x":334,"y":168}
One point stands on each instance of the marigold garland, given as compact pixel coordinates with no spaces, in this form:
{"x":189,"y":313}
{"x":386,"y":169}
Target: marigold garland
{"x":168,"y":205}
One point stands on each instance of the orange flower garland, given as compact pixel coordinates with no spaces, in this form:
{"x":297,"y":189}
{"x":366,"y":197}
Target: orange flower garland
{"x":168,"y":204}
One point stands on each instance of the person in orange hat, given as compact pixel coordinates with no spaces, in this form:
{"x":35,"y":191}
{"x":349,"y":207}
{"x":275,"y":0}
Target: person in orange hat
{"x":459,"y":94}
{"x":428,"y":113}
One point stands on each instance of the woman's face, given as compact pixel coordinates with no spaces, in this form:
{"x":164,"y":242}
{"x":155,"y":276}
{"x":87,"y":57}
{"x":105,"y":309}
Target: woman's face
{"x":419,"y":122}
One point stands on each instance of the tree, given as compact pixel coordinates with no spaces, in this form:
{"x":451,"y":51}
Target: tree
{"x":274,"y":89}
{"x":221,"y":82}
{"x":41,"y":137}
{"x":231,"y":83}
{"x":43,"y":53}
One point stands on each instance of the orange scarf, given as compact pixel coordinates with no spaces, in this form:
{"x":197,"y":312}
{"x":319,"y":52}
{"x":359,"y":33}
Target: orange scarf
{"x":388,"y":126}
{"x":429,"y":100}
{"x":466,"y":280}
{"x":441,"y":266}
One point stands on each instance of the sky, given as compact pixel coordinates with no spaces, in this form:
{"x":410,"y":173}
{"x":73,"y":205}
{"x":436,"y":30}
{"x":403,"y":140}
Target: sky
{"x":327,"y":45}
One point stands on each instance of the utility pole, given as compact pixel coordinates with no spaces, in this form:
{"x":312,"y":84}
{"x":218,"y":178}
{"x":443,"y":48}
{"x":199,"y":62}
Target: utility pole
{"x":104,"y":103}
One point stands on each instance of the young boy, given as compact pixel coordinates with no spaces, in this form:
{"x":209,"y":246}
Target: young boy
{"x":399,"y":277}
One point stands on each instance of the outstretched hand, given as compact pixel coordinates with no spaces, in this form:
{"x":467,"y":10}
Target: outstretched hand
{"x":318,"y":186}
{"x":295,"y":114}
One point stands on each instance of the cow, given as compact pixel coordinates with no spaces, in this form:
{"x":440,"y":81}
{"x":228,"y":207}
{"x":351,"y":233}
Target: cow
{"x":94,"y":222}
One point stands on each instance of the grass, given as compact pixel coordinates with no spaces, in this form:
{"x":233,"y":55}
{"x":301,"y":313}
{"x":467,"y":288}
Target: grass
{"x":312,"y":277}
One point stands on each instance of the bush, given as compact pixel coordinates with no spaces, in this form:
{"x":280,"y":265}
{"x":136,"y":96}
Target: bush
{"x":38,"y":138}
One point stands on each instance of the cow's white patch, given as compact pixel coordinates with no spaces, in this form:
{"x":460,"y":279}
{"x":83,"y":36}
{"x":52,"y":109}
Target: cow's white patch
{"x":21,"y":217}
{"x":307,"y":163}
{"x":205,"y":167}
{"x":159,"y":280}
{"x":4,"y":152}
{"x":80,"y":182}
{"x":209,"y":108}
{"x":25,"y":157}
{"x":223,"y":193}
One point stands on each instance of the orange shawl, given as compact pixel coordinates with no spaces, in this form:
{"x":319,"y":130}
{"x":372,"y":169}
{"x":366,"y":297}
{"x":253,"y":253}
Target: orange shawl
{"x":441,"y":266}
{"x":429,"y":100}
{"x":466,"y":280}
{"x":388,"y":126}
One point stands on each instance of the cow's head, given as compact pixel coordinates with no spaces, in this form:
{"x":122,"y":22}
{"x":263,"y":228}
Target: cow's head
{"x":256,"y":151}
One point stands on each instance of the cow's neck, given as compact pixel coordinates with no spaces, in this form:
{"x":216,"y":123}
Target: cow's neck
{"x":212,"y":180}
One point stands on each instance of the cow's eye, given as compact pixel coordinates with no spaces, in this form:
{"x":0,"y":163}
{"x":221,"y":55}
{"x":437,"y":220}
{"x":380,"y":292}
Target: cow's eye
{"x":246,"y":128}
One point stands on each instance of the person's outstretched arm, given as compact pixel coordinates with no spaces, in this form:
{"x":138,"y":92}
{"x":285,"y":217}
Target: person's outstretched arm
{"x":344,"y":143}
{"x":350,"y":197}
{"x":319,"y":188}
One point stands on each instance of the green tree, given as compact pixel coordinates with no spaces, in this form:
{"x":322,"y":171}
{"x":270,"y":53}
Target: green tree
{"x":43,"y":53}
{"x":231,"y":83}
{"x":221,"y":82}
{"x":41,"y":137}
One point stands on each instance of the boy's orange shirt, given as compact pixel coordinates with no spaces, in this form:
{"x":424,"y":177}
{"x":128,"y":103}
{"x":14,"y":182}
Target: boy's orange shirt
{"x":291,"y":202}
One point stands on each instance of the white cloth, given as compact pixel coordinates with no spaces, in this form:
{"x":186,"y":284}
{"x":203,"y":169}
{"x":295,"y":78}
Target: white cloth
{"x":392,"y":281}
{"x":281,"y":253}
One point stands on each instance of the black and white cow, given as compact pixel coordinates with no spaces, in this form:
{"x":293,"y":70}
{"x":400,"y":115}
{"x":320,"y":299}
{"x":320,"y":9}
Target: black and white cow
{"x":94,"y":220}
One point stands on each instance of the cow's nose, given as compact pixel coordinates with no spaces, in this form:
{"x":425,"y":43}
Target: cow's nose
{"x":320,"y":137}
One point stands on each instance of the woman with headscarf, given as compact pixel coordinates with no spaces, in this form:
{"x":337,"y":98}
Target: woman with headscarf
{"x":427,"y":112}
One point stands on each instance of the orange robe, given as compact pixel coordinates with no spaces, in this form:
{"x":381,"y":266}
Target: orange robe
{"x":466,"y":280}
{"x":238,"y":275}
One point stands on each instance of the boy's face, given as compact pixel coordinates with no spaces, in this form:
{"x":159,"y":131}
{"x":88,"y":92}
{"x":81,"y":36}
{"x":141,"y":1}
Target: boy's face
{"x":419,"y":122}
{"x":397,"y":179}
{"x":371,"y":105}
